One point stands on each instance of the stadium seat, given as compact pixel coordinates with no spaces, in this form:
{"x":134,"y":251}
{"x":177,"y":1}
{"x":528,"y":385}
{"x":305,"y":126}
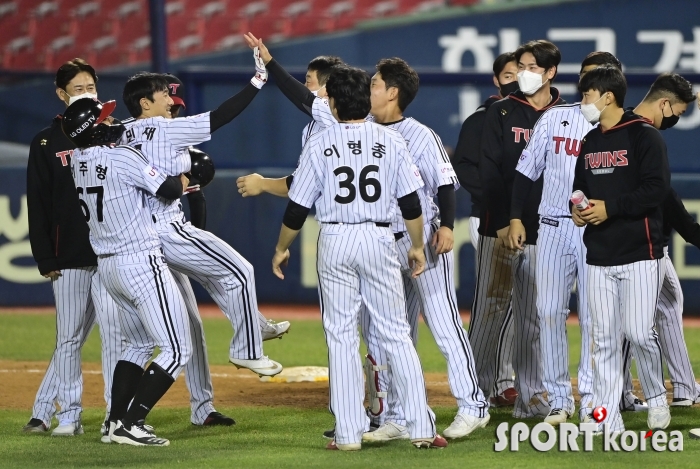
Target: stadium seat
{"x":61,"y":49}
{"x":130,"y":19}
{"x":421,"y":6}
{"x":463,"y":2}
{"x":139,"y":50}
{"x":300,"y":19}
{"x":106,"y":52}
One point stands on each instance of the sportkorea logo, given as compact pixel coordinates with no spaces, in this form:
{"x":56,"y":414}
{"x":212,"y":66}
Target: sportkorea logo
{"x":544,"y":437}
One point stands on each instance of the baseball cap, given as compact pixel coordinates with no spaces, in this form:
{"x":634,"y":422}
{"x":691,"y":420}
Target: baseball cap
{"x":177,"y":89}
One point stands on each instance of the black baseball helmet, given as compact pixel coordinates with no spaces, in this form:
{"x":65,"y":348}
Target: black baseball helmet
{"x":202,"y":171}
{"x":83,"y":123}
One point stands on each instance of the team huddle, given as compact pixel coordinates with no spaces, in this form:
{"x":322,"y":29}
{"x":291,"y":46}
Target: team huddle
{"x":384,"y":188}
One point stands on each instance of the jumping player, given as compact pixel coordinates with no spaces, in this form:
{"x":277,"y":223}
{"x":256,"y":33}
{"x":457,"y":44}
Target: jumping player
{"x":354,"y":171}
{"x":466,"y":165}
{"x":623,"y":170}
{"x":110,"y":183}
{"x":506,"y":132}
{"x":59,"y":239}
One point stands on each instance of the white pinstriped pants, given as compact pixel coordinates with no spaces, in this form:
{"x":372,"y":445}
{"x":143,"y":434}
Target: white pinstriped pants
{"x":152,"y":310}
{"x":433,"y":294}
{"x":561,"y":259}
{"x":358,"y":265}
{"x":224,"y":273}
{"x":506,"y":338}
{"x":80,"y":300}
{"x":622,"y":300}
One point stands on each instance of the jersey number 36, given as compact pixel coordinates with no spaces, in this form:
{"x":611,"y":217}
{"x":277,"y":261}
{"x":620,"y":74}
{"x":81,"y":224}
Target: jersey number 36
{"x":365,"y":182}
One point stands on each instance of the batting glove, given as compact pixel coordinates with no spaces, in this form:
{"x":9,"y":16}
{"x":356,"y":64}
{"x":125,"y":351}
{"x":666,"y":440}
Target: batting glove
{"x":260,"y":77}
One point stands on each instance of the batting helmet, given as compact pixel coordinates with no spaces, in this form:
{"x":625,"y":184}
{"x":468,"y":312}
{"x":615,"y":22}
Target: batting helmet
{"x":83,"y":123}
{"x":202,"y":171}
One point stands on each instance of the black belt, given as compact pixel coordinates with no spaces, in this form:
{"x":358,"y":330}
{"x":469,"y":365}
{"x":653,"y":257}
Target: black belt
{"x":380,"y":224}
{"x":104,"y":256}
{"x":398,"y":236}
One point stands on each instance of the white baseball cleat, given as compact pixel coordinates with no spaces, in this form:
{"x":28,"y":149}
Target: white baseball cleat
{"x":683,"y":402}
{"x":631,"y":403}
{"x":387,"y":432}
{"x":136,"y":435}
{"x":464,"y":424}
{"x":262,"y":366}
{"x":107,"y":429}
{"x":68,"y":429}
{"x":556,"y":417}
{"x":274,"y":330}
{"x":659,"y":417}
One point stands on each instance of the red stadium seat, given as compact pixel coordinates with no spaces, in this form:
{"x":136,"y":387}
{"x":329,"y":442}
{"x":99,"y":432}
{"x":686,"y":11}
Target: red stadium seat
{"x":421,"y":6}
{"x":139,"y":50}
{"x":300,"y":19}
{"x":463,"y":2}
{"x":60,"y":50}
{"x":106,"y":52}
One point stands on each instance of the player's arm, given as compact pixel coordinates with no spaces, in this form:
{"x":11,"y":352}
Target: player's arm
{"x":254,"y":184}
{"x":136,"y":170}
{"x":494,"y":188}
{"x":529,"y":169}
{"x":409,"y":181}
{"x":655,"y":182}
{"x":676,"y":215}
{"x":467,"y":153}
{"x":580,"y":184}
{"x":39,"y":185}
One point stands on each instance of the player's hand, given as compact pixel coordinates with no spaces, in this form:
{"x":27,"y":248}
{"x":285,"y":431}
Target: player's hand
{"x":502,"y":235}
{"x":281,"y":258}
{"x":254,"y":42}
{"x":596,"y":214}
{"x":195,"y":188}
{"x":185,"y":182}
{"x":576,"y":217}
{"x":516,"y":235}
{"x":250,"y":185}
{"x":443,"y":240}
{"x":416,"y":260}
{"x":53,"y":275}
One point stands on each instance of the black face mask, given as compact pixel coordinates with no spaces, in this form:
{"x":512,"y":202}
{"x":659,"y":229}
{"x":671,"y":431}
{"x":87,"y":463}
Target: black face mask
{"x":508,"y":88}
{"x":670,"y":121}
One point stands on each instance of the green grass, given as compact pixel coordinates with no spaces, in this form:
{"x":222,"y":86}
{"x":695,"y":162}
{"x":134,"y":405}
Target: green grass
{"x":282,"y":436}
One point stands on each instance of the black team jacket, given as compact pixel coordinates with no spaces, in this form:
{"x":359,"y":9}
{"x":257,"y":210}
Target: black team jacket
{"x":468,"y":151}
{"x":58,"y":232}
{"x":626,"y":167}
{"x":506,"y":133}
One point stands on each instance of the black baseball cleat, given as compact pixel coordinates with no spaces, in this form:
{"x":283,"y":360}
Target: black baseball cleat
{"x":217,"y":418}
{"x":330,"y":434}
{"x":136,"y":435}
{"x":35,"y":426}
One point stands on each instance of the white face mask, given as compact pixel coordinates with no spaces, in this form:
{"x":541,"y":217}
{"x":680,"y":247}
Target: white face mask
{"x":529,"y":82}
{"x":81,"y":96}
{"x":591,"y":112}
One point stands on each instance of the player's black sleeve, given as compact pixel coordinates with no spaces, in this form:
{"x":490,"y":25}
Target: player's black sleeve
{"x":289,"y":179}
{"x":676,"y":215}
{"x":171,"y":189}
{"x":495,"y":197}
{"x":229,"y":109}
{"x":410,"y":206}
{"x":39,"y":184}
{"x":447,"y":203}
{"x":198,"y":209}
{"x":295,"y":216}
{"x":467,"y":153}
{"x":655,"y":178}
{"x":295,"y":91}
{"x":522,"y":185}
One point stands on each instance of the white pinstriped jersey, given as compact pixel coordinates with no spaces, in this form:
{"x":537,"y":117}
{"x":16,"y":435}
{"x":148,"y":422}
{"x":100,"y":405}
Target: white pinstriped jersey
{"x":354,"y":173}
{"x":554,"y":145}
{"x":166,"y":142}
{"x":112,"y":184}
{"x":432,"y":161}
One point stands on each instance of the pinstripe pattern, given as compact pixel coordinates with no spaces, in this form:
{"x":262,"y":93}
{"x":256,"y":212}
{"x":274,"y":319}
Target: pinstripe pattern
{"x":622,"y":300}
{"x":310,"y":129}
{"x":358,"y":265}
{"x":561,"y":256}
{"x":224,"y":273}
{"x":197,"y":374}
{"x":321,"y":113}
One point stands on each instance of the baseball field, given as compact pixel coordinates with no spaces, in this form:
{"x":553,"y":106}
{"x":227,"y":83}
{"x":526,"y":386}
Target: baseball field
{"x":278,"y":425}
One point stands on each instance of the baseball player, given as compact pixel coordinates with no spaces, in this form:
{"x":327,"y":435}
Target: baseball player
{"x":393,"y":88}
{"x":554,"y":145}
{"x":623,"y":170}
{"x":200,"y":255}
{"x":110,"y":183}
{"x":667,"y":99}
{"x":466,"y":165}
{"x":506,"y":132}
{"x":354,"y":172}
{"x":58,"y":236}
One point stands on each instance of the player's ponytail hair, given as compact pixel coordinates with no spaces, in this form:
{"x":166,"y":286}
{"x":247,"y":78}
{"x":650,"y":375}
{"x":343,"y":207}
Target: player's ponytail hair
{"x":349,"y":88}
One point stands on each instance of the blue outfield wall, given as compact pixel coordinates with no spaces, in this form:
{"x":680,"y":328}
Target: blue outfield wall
{"x":252,"y":225}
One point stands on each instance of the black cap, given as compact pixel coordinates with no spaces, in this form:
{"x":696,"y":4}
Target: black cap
{"x":177,"y":90}
{"x":81,"y":122}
